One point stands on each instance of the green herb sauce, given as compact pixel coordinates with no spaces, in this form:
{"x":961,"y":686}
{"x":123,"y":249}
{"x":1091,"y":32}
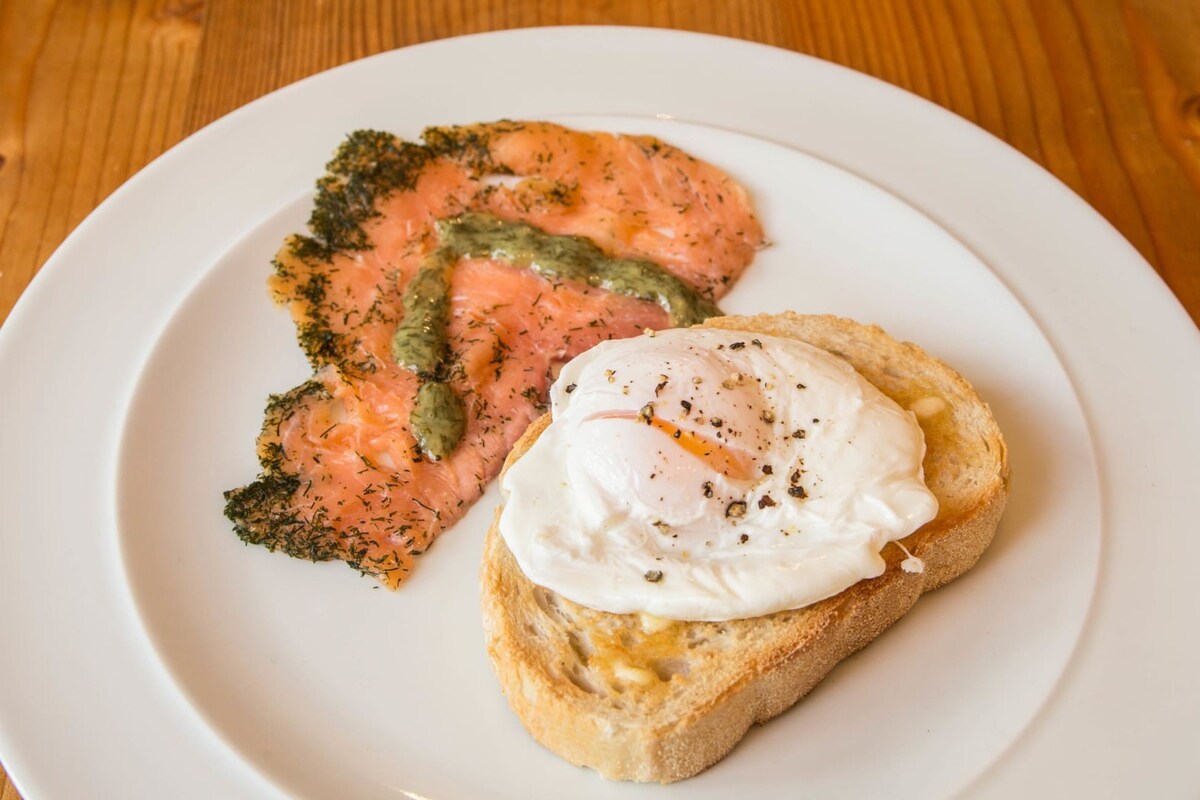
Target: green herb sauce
{"x":574,"y":258}
{"x":420,"y":342}
{"x":438,"y":419}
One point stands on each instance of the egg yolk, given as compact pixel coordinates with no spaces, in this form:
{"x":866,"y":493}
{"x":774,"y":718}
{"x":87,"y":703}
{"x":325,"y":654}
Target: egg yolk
{"x":733,"y":464}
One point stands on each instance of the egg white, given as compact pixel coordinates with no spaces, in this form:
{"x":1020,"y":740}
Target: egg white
{"x":707,"y":474}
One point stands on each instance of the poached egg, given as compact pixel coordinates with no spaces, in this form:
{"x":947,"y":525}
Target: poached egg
{"x":706,"y":474}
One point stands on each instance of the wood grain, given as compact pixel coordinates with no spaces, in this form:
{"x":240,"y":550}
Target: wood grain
{"x":1104,"y":93}
{"x":89,"y":93}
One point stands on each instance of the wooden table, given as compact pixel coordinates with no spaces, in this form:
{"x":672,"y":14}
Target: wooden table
{"x":1103,"y":93}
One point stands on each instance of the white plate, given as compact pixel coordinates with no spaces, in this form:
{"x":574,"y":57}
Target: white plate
{"x":148,"y":653}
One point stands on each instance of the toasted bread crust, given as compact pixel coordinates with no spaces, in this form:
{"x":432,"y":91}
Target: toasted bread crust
{"x":690,"y":702}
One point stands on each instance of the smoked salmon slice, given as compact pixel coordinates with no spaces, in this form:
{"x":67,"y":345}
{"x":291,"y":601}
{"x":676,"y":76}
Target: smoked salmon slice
{"x":342,"y":475}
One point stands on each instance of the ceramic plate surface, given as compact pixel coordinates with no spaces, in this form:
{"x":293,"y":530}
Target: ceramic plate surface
{"x":164,"y":658}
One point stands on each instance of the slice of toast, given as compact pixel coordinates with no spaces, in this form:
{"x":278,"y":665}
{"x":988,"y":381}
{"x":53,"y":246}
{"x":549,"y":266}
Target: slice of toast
{"x":640,"y":698}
